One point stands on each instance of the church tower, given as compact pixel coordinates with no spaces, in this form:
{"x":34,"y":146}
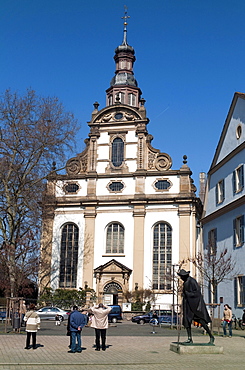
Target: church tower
{"x":121,"y":217}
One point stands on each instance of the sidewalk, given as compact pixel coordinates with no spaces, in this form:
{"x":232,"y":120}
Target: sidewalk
{"x":149,"y":352}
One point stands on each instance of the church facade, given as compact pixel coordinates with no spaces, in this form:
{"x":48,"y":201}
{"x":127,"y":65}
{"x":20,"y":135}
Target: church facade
{"x":121,"y":217}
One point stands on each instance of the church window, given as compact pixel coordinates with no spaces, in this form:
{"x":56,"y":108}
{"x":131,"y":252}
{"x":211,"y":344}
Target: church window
{"x":117,"y":155}
{"x":115,"y":238}
{"x":162,"y":184}
{"x":110,"y":99}
{"x":131,"y":99}
{"x":162,"y":256}
{"x":116,"y":186}
{"x":68,"y":256}
{"x":121,"y":97}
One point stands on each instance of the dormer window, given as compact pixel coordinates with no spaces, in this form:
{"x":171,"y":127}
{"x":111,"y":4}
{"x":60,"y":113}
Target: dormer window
{"x":117,"y":153}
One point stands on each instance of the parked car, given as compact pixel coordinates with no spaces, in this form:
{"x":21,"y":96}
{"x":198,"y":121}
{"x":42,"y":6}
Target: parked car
{"x":164,"y":317}
{"x":115,"y":314}
{"x":49,"y":313}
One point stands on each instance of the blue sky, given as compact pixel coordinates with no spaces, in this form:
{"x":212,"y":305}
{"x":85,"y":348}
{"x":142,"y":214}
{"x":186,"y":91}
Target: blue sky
{"x":189,"y":62}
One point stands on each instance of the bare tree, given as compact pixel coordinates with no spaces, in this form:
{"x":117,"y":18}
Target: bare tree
{"x":34,"y":131}
{"x":214,"y":268}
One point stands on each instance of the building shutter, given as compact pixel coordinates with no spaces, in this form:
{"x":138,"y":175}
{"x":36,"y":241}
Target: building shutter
{"x":242,"y":229}
{"x":223,"y":190}
{"x":234,"y":233}
{"x":235,"y":292}
{"x":234,"y":181}
{"x":242,"y":176}
{"x":243,"y":291}
{"x":216,"y":194}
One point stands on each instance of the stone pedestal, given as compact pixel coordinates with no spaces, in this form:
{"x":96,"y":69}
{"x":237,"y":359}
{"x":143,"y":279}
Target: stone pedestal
{"x":200,"y":348}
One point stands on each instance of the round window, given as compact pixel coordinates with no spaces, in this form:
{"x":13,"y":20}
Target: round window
{"x":238,"y":131}
{"x":118,"y":116}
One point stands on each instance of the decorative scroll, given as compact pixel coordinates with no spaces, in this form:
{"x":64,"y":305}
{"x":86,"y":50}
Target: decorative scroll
{"x":163,"y":162}
{"x":73,"y":166}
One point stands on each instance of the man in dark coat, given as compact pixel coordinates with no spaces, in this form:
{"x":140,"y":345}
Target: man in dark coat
{"x":194,"y":307}
{"x":77,"y":322}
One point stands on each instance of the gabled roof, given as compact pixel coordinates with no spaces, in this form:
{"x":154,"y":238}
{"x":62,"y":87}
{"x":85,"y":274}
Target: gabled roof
{"x":113,"y":262}
{"x":236,"y":96}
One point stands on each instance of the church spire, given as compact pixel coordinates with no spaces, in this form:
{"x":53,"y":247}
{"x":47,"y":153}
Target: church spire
{"x":124,"y":85}
{"x":125,"y":23}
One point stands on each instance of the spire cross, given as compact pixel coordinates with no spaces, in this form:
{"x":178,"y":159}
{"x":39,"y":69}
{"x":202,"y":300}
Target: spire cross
{"x":125,"y":17}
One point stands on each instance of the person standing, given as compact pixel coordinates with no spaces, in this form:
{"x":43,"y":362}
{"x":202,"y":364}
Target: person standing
{"x":100,"y":323}
{"x":32,"y":325}
{"x":77,"y":322}
{"x":227,"y":319}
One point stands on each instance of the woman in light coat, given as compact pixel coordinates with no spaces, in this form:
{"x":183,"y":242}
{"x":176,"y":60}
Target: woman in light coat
{"x":100,"y":323}
{"x":32,"y":325}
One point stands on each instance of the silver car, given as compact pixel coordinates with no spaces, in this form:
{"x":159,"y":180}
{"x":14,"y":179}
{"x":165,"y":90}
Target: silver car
{"x":50,"y":313}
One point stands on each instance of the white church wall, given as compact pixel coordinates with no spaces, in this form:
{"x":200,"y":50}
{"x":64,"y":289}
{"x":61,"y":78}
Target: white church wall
{"x":122,"y":215}
{"x":150,"y":180}
{"x":101,"y":186}
{"x":81,"y":192}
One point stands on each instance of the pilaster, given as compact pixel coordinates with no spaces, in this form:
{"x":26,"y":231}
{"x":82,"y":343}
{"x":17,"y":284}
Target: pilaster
{"x":138,"y":255}
{"x":88,"y":257}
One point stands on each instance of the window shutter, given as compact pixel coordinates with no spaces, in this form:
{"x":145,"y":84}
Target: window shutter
{"x":207,"y":246}
{"x":234,"y":181}
{"x":215,"y":245}
{"x":223,"y":190}
{"x":242,"y":176}
{"x":235,"y":292}
{"x":234,"y":233}
{"x":243,"y":290}
{"x":242,"y":229}
{"x":216,"y":194}
{"x":209,"y":292}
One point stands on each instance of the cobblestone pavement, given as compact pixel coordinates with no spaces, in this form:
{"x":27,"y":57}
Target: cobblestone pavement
{"x":123,"y":352}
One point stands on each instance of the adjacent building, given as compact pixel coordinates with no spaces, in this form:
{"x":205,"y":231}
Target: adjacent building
{"x":224,"y":207}
{"x":121,"y":217}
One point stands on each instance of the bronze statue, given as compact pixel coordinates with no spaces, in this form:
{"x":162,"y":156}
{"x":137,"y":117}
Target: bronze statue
{"x":194,"y":307}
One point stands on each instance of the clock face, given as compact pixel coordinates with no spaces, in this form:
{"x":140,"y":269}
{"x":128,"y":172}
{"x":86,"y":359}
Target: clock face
{"x":118,"y":116}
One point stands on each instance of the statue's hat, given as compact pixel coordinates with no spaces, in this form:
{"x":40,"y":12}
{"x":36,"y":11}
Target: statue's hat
{"x":182,"y":272}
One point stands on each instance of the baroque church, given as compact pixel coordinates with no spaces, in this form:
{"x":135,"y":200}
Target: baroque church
{"x":121,"y":218}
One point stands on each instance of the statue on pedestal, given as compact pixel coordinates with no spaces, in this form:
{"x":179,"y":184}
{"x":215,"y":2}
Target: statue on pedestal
{"x":194,"y":307}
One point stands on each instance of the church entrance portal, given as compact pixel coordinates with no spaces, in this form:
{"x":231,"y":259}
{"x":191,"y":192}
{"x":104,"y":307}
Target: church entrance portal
{"x":111,"y":291}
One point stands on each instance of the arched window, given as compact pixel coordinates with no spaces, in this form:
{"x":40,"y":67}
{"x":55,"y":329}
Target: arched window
{"x":117,"y":152}
{"x":115,"y":238}
{"x":122,"y":97}
{"x":68,"y":256}
{"x":131,"y":99}
{"x":162,"y":256}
